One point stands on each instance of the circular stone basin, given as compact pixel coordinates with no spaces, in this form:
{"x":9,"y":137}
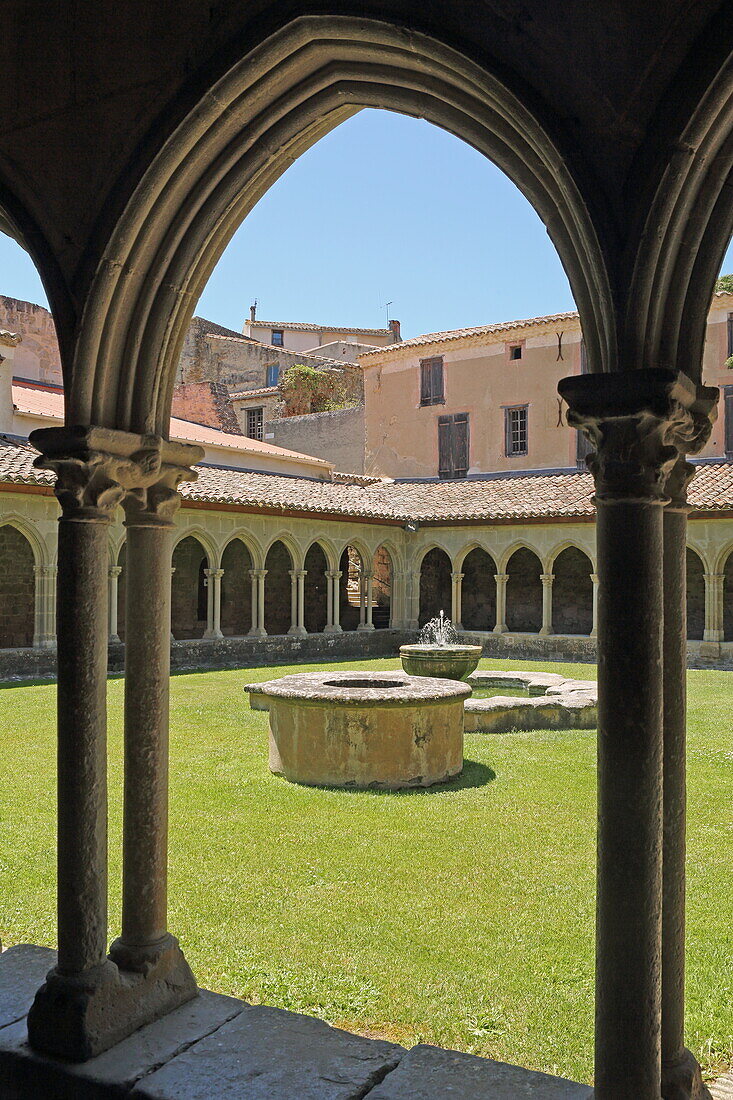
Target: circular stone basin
{"x":447,"y":662}
{"x":363,"y":730}
{"x":550,"y":702}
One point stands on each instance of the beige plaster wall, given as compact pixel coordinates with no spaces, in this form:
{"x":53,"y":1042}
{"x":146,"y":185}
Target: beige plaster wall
{"x":335,"y":436}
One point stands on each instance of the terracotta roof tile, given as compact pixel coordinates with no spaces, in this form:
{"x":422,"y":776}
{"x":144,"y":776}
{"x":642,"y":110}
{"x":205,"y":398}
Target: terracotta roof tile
{"x":519,"y":497}
{"x":311,"y":326}
{"x":480,"y":330}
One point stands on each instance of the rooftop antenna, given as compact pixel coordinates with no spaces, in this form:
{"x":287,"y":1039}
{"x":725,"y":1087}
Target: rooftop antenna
{"x":386,"y":307}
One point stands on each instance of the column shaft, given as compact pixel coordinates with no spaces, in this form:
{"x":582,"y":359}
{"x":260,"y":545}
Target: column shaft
{"x":147,"y":675}
{"x":594,"y":579}
{"x":82,"y":744}
{"x":261,"y":574}
{"x":501,"y":579}
{"x":114,"y":573}
{"x":628,"y":971}
{"x":301,"y":601}
{"x":457,"y":599}
{"x":547,"y":579}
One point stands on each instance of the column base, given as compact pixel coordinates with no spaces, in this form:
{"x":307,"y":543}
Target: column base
{"x":710,"y":649}
{"x":114,"y":639}
{"x":682,"y":1080}
{"x":334,"y":628}
{"x":77,"y":1017}
{"x":297,"y":632}
{"x":545,"y":632}
{"x":365,"y":626}
{"x":500,"y":629}
{"x":212,"y":635}
{"x":257,"y":632}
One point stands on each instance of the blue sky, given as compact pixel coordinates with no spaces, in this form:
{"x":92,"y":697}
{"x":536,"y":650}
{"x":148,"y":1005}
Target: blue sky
{"x":385,"y":208}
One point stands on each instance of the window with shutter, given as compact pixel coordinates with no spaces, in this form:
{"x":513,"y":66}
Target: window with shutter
{"x":453,"y":445}
{"x":728,"y":413}
{"x":431,"y":381}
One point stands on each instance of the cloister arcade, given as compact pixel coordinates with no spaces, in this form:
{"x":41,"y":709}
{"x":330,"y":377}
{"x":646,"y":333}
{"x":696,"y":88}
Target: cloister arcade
{"x":236,"y":584}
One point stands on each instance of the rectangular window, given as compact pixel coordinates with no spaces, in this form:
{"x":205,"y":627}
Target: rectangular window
{"x":255,"y":423}
{"x":453,"y":445}
{"x":728,"y":413}
{"x":515,"y":430}
{"x":273,"y":374}
{"x":431,"y":381}
{"x":730,"y":335}
{"x":515,"y":351}
{"x":277,"y":338}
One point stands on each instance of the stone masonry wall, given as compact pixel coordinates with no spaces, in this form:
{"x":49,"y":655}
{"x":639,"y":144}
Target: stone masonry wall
{"x":435,"y":585}
{"x":277,"y":589}
{"x":38,"y":356}
{"x":315,"y":606}
{"x":17,"y":588}
{"x":337,"y":437}
{"x":188,"y":602}
{"x":236,"y":590}
{"x":478,"y":591}
{"x":695,"y":596}
{"x":205,"y":403}
{"x":572,"y":593}
{"x":524,"y":592}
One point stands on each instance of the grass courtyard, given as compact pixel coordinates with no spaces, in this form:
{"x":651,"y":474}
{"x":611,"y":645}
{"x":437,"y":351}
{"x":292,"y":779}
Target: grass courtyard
{"x":461,"y":916}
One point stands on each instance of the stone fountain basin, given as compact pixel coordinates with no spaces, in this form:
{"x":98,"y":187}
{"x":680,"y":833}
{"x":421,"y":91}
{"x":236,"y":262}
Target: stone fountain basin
{"x":447,"y":662}
{"x":363,"y":729}
{"x":553,"y":702}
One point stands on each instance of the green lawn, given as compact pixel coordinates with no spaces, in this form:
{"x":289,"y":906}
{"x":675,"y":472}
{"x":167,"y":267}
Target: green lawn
{"x":461,"y":916}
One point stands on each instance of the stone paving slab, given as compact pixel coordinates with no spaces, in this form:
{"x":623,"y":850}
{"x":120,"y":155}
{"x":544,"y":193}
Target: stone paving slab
{"x":23,"y":968}
{"x":430,"y":1073}
{"x":723,"y":1088}
{"x":269,"y":1054}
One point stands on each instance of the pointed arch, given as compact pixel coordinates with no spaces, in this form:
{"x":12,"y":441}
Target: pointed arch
{"x":435,"y":585}
{"x":524,"y":590}
{"x":478,"y":589}
{"x":695,"y":594}
{"x":280,"y":560}
{"x":250,"y":542}
{"x":572,"y":591}
{"x":18,"y":562}
{"x":189,"y":585}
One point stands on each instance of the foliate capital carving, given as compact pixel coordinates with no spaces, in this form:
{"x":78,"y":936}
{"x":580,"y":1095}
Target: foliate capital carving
{"x":98,"y":469}
{"x":639,"y":423}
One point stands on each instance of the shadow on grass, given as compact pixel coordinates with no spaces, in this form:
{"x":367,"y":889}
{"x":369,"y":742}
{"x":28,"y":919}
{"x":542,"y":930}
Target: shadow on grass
{"x":474,"y":774}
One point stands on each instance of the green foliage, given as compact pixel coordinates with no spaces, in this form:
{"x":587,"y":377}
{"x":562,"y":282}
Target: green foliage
{"x":729,"y":363}
{"x":305,"y":389}
{"x":461,"y":916}
{"x":725,"y":283}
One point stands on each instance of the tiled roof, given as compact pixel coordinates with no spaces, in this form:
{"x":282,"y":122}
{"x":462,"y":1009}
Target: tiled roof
{"x":49,"y":403}
{"x":310,"y":326}
{"x":9,"y":338}
{"x":482,"y":500}
{"x":463,"y":333}
{"x":266,"y":391}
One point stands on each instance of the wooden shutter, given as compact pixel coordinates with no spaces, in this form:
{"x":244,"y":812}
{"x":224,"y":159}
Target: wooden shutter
{"x":437,"y":384}
{"x":460,"y":445}
{"x":425,"y":382}
{"x":507,"y":432}
{"x":728,"y":391}
{"x":445,"y":435}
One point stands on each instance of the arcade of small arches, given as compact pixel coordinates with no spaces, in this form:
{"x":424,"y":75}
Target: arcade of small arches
{"x":299,"y":583}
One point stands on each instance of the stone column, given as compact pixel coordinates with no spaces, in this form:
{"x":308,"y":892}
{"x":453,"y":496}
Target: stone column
{"x":333,"y":626}
{"x":414,"y":616}
{"x":681,"y":1076}
{"x":301,"y":573}
{"x":257,"y":578}
{"x":217,"y":574}
{"x":594,"y":579}
{"x":44,"y":631}
{"x":145,"y":948}
{"x":456,"y":599}
{"x":547,"y":579}
{"x":297,"y":601}
{"x":365,"y":601}
{"x":113,"y":574}
{"x":714,"y":609}
{"x":637,"y":422}
{"x":501,"y":579}
{"x":85,"y":1004}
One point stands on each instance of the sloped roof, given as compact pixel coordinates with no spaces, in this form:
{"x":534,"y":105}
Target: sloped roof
{"x":49,"y":402}
{"x":463,"y":333}
{"x":310,"y":326}
{"x":520,"y":498}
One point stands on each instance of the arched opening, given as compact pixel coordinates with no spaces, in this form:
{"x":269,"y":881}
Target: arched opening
{"x":435,"y":585}
{"x":478,"y":591}
{"x":315,"y":606}
{"x":278,"y":564}
{"x":524,"y":592}
{"x":572,"y":592}
{"x":189,"y":589}
{"x":236,"y":590}
{"x":382,"y":588}
{"x":351,"y":568}
{"x":695,"y":595}
{"x":17,"y":589}
{"x":728,"y":599}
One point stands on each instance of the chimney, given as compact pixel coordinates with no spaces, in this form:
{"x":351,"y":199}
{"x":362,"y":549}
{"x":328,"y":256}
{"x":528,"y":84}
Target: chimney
{"x":395,"y":326}
{"x":253,"y":312}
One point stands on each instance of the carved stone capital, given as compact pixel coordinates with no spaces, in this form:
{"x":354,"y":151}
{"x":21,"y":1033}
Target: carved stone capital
{"x":98,"y":469}
{"x":639,"y":423}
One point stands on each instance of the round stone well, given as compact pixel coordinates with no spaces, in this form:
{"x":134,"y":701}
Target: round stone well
{"x":363,"y":729}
